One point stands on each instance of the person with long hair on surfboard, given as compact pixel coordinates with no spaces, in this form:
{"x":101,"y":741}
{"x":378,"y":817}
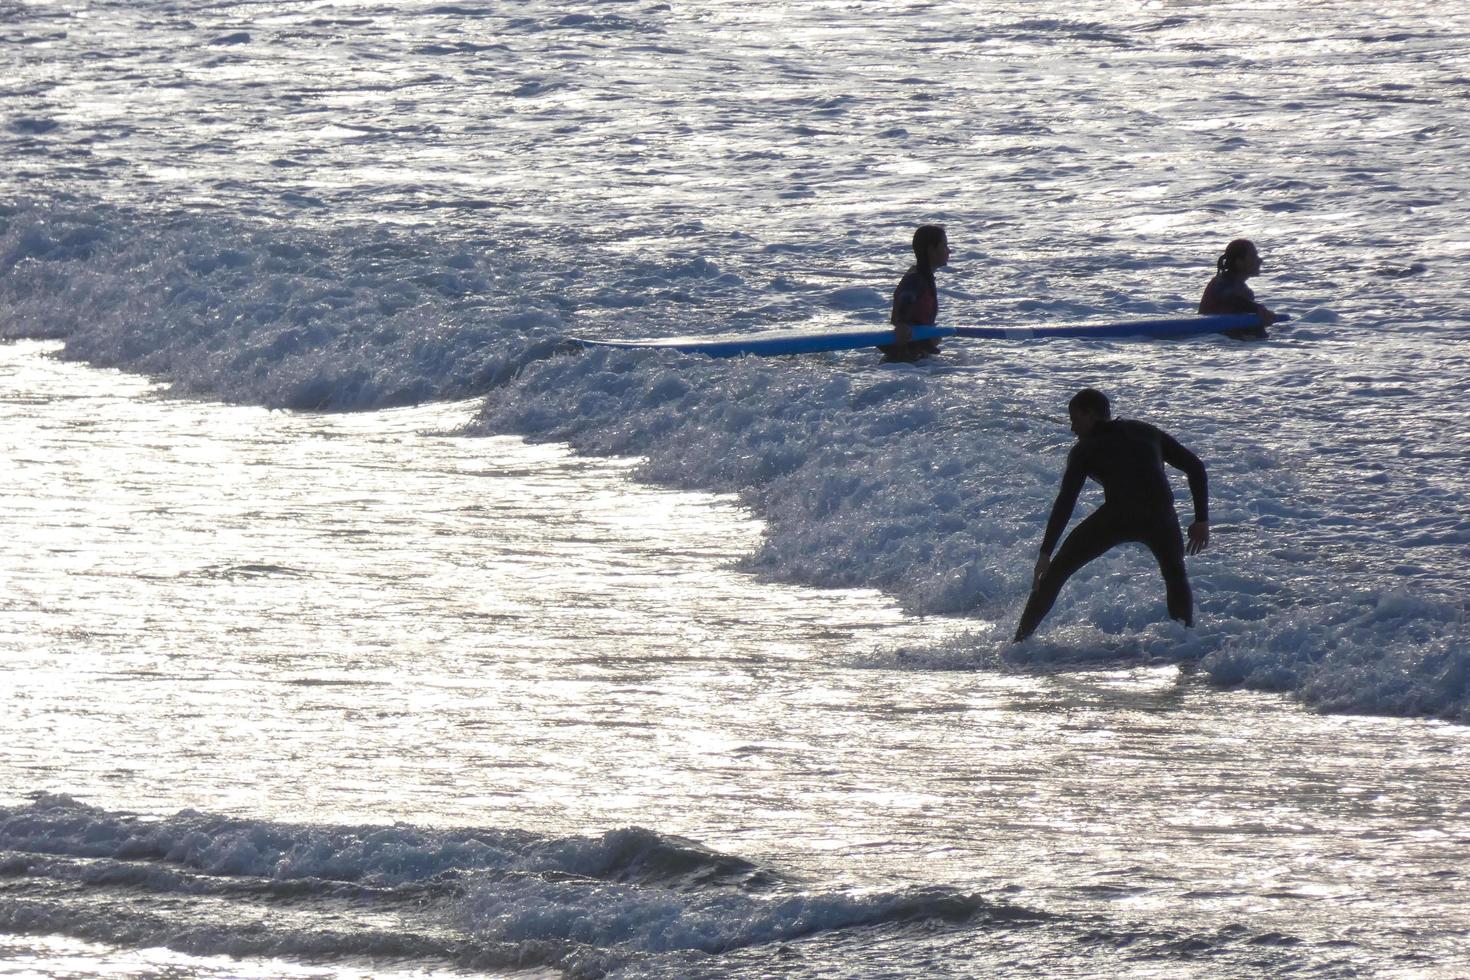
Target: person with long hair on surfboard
{"x":1227,"y":291}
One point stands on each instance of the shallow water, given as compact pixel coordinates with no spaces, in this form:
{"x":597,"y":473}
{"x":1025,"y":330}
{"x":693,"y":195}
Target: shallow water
{"x":326,"y":622}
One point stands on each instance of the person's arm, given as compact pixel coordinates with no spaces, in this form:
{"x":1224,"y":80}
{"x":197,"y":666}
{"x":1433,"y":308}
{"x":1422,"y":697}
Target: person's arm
{"x":1233,"y":297}
{"x":1249,"y":305}
{"x":905,"y":298}
{"x":1199,"y":488}
{"x":1061,"y":511}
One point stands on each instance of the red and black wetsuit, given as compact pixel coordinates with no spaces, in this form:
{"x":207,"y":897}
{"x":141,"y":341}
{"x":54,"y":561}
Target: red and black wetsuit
{"x":915,"y":302}
{"x":1127,"y":457}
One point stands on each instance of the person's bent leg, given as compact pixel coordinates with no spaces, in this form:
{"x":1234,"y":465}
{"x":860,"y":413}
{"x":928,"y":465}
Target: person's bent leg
{"x":1167,"y":544}
{"x":1095,"y":535}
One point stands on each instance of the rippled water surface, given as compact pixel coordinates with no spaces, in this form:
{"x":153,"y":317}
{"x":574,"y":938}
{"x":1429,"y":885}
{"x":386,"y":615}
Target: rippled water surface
{"x":359,"y":619}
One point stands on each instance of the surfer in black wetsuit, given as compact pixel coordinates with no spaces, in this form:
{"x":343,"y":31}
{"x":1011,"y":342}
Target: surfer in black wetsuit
{"x":916,"y":300}
{"x":1127,"y":457}
{"x":1227,"y":291}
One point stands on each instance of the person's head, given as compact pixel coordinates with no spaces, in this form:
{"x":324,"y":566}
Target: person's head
{"x":931,"y":246}
{"x":1240,"y":258}
{"x":1088,"y":408}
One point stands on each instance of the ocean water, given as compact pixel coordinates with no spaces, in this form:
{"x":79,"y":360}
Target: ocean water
{"x":354,"y":622}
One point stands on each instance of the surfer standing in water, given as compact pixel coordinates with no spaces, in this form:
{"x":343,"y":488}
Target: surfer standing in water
{"x":1127,"y":457}
{"x":1228,"y":293}
{"x":916,"y":300}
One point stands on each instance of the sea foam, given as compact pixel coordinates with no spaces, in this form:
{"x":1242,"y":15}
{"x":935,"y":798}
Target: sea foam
{"x":480,"y":897}
{"x":929,"y":482}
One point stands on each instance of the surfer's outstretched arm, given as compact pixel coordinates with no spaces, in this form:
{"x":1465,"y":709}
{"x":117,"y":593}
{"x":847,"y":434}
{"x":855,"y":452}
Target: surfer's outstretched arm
{"x":1199,"y":488}
{"x":1073,"y":478}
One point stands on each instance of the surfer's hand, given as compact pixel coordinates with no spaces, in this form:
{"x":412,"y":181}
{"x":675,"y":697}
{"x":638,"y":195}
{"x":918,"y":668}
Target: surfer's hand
{"x":1042,"y":564}
{"x":1199,"y":537}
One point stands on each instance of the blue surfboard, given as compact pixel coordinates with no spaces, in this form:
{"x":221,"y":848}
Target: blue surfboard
{"x":770,"y":343}
{"x":1168,"y":327}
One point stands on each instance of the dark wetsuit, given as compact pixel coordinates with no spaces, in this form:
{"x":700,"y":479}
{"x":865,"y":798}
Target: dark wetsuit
{"x":1127,"y":457}
{"x":915,"y":302}
{"x":1227,"y":293}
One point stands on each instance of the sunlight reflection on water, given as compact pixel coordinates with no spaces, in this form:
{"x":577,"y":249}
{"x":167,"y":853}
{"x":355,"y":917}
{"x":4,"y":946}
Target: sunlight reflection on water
{"x":348,"y":618}
{"x":239,"y":569}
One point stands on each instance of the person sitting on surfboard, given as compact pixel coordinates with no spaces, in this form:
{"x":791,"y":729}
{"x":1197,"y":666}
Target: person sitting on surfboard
{"x":1127,"y":457}
{"x":916,"y":300}
{"x":1228,"y":293}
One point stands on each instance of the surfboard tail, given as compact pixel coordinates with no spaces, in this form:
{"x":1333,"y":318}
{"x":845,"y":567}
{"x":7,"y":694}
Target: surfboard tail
{"x":1166,"y":327}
